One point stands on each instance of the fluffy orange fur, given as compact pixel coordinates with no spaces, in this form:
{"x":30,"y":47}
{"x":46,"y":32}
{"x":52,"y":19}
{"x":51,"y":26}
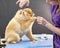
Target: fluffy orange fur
{"x":19,"y":25}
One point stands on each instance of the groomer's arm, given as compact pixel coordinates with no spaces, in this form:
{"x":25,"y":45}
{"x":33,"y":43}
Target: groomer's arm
{"x":23,"y":3}
{"x":45,"y":23}
{"x":52,"y":1}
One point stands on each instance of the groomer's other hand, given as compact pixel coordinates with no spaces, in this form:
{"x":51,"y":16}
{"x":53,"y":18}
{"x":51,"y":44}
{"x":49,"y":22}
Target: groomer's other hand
{"x":23,"y":3}
{"x":52,"y":1}
{"x":41,"y":20}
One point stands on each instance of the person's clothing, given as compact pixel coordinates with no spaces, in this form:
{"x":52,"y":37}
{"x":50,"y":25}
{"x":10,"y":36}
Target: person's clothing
{"x":56,"y":22}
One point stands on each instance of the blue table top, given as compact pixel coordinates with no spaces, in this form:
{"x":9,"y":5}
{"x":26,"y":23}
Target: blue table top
{"x":44,"y":41}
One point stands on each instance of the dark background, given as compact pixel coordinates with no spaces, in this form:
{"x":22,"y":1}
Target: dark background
{"x":8,"y":9}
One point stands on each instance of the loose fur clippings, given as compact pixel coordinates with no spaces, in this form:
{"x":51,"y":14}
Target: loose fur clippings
{"x":19,"y":25}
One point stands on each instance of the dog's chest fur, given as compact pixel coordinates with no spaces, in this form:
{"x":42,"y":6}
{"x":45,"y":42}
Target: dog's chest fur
{"x":25,"y":31}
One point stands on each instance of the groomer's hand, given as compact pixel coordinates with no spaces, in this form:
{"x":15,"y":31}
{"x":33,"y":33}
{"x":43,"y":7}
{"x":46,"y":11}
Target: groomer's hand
{"x":41,"y":20}
{"x":22,"y":3}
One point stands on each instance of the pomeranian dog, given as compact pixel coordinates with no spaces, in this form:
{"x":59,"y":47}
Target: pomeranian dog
{"x":19,"y":25}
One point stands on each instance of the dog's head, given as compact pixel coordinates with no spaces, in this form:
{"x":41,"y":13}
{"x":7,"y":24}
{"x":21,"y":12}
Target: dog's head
{"x":25,"y":13}
{"x":28,"y":12}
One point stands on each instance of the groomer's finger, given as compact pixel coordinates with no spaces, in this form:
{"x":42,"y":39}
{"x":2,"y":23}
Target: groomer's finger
{"x":21,"y":4}
{"x":17,"y":2}
{"x":28,"y":3}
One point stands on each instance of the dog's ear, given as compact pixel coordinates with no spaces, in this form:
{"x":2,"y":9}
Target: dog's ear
{"x":29,"y":11}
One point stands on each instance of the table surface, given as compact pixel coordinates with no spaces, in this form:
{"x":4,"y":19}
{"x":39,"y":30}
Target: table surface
{"x":44,"y":41}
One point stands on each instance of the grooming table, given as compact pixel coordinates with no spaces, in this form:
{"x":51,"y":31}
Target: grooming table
{"x":44,"y":41}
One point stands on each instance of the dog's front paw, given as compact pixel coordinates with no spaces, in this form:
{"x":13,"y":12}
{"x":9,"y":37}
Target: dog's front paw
{"x":34,"y":39}
{"x":13,"y":42}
